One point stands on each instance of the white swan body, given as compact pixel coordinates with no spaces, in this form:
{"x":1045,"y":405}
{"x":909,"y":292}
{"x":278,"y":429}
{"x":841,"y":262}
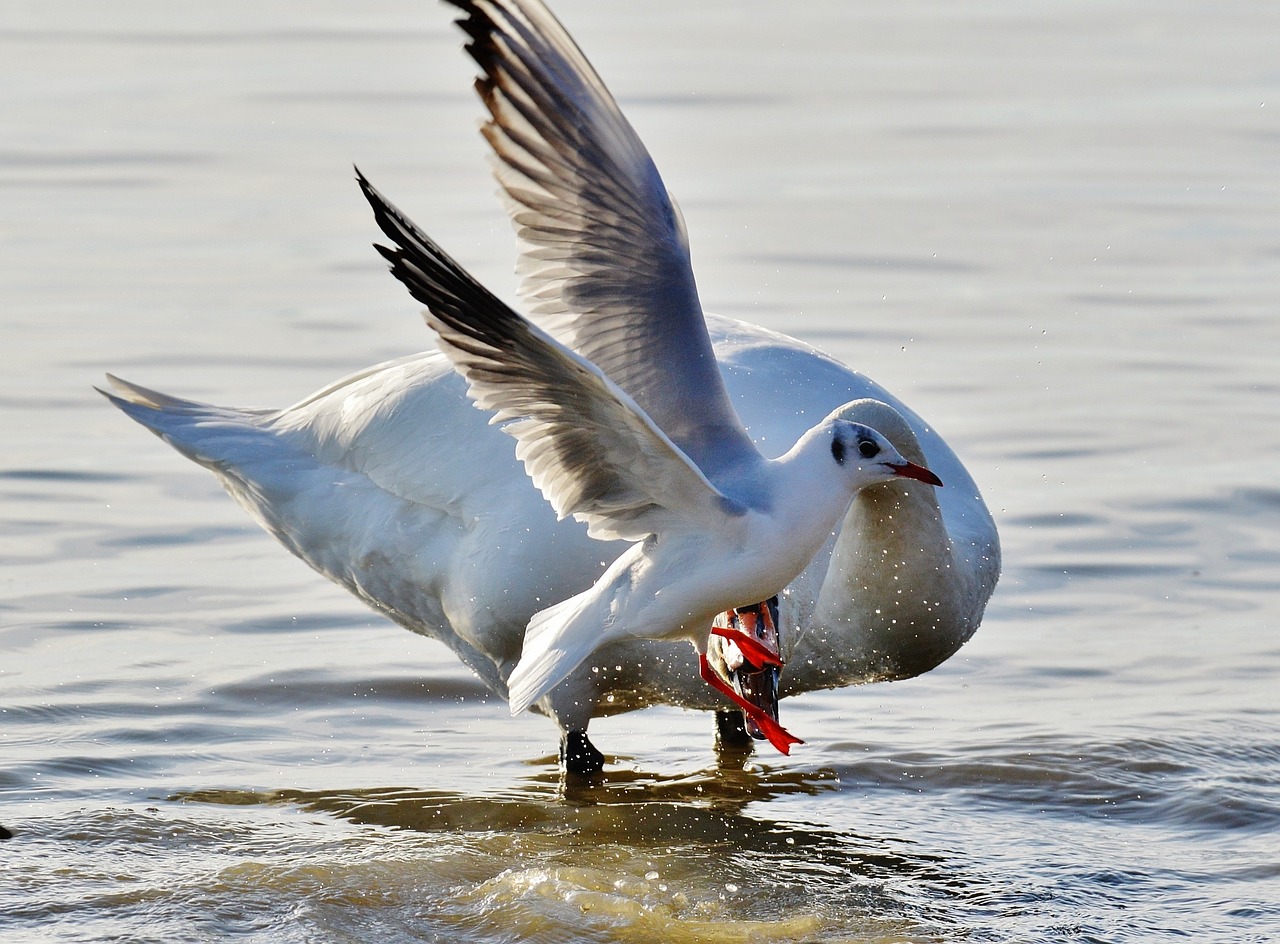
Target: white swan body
{"x":392,"y":484}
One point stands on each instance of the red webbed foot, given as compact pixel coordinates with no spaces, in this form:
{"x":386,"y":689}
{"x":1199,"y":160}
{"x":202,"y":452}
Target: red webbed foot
{"x":777,"y":735}
{"x":753,"y":650}
{"x":751,"y":629}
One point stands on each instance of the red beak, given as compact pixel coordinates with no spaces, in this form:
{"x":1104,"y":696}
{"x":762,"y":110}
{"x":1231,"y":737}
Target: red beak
{"x":918,"y":472}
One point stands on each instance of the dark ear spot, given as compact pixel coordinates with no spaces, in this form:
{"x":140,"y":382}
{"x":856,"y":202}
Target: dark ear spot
{"x":868,"y":449}
{"x":837,"y":450}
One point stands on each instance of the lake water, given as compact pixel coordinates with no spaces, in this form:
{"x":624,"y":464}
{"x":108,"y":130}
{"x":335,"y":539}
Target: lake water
{"x":1050,"y":228}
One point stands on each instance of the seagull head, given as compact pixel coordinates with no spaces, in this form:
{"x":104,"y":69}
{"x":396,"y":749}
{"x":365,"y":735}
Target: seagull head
{"x":867,"y":456}
{"x":886,"y":424}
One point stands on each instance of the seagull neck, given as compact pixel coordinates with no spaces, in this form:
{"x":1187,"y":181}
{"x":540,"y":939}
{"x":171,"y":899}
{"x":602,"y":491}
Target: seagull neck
{"x":805,"y":495}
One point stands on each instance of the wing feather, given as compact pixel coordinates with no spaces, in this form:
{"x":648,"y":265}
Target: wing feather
{"x":604,"y":254}
{"x":587,"y":446}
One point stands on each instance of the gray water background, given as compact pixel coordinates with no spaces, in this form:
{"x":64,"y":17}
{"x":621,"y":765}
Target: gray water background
{"x":1053,"y":229}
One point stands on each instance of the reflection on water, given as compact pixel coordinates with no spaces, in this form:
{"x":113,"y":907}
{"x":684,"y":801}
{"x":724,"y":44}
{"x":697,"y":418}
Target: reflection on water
{"x":609,"y":862}
{"x":631,"y":855}
{"x":990,"y":848}
{"x":709,"y":855}
{"x":555,"y":802}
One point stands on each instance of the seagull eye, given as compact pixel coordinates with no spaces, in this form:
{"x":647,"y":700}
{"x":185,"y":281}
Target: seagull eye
{"x":868,"y":449}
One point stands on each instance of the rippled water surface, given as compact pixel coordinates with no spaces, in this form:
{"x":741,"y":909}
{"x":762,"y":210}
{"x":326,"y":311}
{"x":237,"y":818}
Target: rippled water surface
{"x":1050,"y":228}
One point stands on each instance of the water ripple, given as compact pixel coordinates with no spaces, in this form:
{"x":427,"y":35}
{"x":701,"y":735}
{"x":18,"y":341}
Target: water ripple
{"x":1206,"y":786}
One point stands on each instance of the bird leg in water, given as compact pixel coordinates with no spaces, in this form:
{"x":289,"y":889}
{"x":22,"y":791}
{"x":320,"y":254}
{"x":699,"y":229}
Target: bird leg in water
{"x":731,"y":730}
{"x":578,"y":755}
{"x":754,"y":678}
{"x":778,"y":736}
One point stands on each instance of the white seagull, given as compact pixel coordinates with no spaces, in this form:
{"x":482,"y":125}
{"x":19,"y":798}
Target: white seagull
{"x":709,"y":537}
{"x":389,"y":483}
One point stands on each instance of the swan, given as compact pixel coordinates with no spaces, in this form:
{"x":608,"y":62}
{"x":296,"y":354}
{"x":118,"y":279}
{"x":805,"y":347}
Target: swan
{"x":392,"y":484}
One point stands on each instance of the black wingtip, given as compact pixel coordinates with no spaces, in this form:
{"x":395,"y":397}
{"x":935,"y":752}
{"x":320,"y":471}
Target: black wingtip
{"x":432,"y":277}
{"x":390,"y":220}
{"x":371,"y":194}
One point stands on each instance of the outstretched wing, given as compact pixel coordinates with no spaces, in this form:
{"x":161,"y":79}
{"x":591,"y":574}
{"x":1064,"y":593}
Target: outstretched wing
{"x":586,"y":445}
{"x":604,"y":255}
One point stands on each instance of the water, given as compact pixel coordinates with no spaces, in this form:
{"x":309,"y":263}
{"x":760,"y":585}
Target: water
{"x":1050,"y":228}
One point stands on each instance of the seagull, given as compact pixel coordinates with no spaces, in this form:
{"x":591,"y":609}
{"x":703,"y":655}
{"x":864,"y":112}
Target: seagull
{"x":391,"y":484}
{"x":702,"y":540}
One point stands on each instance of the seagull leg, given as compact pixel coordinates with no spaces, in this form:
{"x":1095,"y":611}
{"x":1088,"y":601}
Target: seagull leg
{"x":756,"y":652}
{"x":758,"y":637}
{"x":578,"y":755}
{"x":778,"y":736}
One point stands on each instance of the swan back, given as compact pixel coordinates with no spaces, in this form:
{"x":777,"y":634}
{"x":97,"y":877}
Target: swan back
{"x":904,"y":581}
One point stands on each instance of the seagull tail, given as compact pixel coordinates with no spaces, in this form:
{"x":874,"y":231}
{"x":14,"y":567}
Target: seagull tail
{"x":555,"y":643}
